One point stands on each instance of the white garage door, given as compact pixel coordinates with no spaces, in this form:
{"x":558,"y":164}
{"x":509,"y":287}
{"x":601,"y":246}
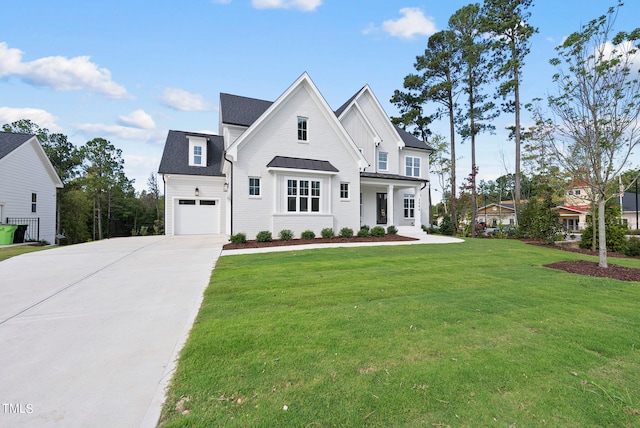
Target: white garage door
{"x":197,"y":216}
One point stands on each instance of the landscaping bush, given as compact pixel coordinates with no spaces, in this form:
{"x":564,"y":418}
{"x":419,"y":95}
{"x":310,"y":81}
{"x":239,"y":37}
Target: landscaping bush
{"x":327,"y":233}
{"x":308,"y":234}
{"x":446,"y":227}
{"x":238,"y":238}
{"x":363,"y":232}
{"x":633,"y":247}
{"x":539,"y":220}
{"x":392,"y":230}
{"x":264,"y":236}
{"x":346,"y":232}
{"x":285,"y":235}
{"x":378,"y":231}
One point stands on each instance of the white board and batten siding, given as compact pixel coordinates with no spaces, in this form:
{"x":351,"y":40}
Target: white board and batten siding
{"x":188,"y":214}
{"x":23,"y":172}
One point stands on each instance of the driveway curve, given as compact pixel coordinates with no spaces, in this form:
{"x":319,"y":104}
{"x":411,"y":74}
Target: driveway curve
{"x":90,"y":333}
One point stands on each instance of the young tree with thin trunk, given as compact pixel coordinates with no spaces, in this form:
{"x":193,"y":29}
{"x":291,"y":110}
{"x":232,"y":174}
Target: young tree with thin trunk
{"x":506,"y":21}
{"x":597,"y":109}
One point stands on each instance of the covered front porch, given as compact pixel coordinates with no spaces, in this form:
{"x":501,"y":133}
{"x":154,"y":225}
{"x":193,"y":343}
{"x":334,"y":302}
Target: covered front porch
{"x":387,"y":200}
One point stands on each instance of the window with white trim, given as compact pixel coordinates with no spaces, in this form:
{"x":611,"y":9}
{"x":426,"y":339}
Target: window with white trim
{"x":254,"y":186}
{"x":412,"y":166}
{"x":197,"y":155}
{"x":34,"y":202}
{"x":302,"y":128}
{"x":344,"y":190}
{"x":383,"y":158}
{"x":303,"y":195}
{"x":409,"y":206}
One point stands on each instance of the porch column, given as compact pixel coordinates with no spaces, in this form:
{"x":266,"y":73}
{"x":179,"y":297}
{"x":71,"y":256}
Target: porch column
{"x":418,"y":209}
{"x":390,"y":198}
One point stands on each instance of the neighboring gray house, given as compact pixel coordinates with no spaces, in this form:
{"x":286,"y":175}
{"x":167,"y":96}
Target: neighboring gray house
{"x":28,"y":183}
{"x":295,"y":164}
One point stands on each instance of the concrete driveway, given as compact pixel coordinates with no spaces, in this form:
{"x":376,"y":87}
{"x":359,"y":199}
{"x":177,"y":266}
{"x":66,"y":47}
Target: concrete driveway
{"x":90,"y":333}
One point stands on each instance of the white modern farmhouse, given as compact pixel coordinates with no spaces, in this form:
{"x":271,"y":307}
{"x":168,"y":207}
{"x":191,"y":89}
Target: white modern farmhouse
{"x":28,"y":183}
{"x":295,"y":164}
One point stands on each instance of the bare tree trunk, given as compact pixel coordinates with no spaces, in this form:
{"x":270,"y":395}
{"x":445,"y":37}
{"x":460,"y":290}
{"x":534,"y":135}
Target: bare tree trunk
{"x":594,"y":223}
{"x":452,"y":136}
{"x":602,"y":251}
{"x":516,"y":94}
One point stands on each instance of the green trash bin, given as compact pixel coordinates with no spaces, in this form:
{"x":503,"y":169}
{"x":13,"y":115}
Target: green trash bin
{"x":6,"y":233}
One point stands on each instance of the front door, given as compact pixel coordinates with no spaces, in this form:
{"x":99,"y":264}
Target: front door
{"x":381,"y":199}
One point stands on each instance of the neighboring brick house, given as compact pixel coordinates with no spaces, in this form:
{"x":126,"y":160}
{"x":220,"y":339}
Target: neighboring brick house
{"x":295,"y":164}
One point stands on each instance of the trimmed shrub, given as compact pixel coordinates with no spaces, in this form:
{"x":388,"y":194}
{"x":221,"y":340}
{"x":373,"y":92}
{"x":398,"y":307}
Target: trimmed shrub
{"x":308,"y":234}
{"x":633,"y":247}
{"x":378,"y":231}
{"x":264,"y":236}
{"x":327,"y":233}
{"x":392,"y":230}
{"x":286,"y":235}
{"x":238,"y":238}
{"x":364,"y":232}
{"x":346,"y":232}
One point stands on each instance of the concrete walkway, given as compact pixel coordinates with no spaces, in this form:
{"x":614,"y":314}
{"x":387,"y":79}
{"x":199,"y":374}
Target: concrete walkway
{"x":90,"y":333}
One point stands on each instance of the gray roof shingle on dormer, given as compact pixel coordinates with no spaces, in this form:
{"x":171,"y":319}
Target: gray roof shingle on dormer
{"x":175,"y":158}
{"x":411,"y":140}
{"x":299,"y":163}
{"x":242,"y":111}
{"x":9,"y":141}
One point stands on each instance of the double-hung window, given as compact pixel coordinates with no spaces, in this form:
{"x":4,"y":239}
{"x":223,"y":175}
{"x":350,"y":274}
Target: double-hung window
{"x":197,"y":155}
{"x":344,"y":190}
{"x":34,"y":202}
{"x":303,"y":195}
{"x":409,"y":206}
{"x":412,"y":166}
{"x":383,"y":158}
{"x":254,"y":186}
{"x":302,"y":129}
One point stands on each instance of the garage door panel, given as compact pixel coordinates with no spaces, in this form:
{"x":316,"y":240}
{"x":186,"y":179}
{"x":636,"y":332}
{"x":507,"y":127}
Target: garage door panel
{"x":197,"y":217}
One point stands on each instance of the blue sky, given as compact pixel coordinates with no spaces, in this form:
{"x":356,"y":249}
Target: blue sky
{"x":130,"y":71}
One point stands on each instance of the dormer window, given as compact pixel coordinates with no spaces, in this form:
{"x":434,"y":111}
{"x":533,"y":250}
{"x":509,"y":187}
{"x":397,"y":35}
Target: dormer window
{"x":197,"y":155}
{"x":302,"y":128}
{"x":197,"y":151}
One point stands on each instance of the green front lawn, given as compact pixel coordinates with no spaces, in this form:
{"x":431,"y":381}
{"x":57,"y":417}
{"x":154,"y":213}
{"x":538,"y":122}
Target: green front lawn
{"x":471,"y":334}
{"x":7,"y":252}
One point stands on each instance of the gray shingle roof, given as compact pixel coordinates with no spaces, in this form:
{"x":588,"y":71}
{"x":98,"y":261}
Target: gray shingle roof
{"x":343,"y":107}
{"x":299,"y":163}
{"x":9,"y":141}
{"x":391,"y":177}
{"x":175,"y":158}
{"x":629,"y":201}
{"x":410,"y":140}
{"x":243,"y":111}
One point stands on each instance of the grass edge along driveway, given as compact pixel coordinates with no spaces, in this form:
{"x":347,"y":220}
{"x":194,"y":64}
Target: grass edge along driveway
{"x":470,"y":334}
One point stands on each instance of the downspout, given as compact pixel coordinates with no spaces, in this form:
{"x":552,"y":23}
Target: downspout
{"x":164,"y":189}
{"x":224,"y":155}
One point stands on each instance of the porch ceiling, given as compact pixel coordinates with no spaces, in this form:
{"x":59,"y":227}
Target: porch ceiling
{"x":377,"y":179}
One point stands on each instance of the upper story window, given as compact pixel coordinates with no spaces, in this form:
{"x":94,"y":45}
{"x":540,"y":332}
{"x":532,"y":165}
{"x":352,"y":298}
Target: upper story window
{"x":197,"y":155}
{"x":197,"y":151}
{"x":383,"y":159}
{"x":254,"y":186}
{"x":303,"y":196}
{"x":302,"y":128}
{"x":412,"y":166}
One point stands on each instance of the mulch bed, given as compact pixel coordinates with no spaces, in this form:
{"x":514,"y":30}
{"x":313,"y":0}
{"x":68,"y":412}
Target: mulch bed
{"x":280,"y":243}
{"x":583,"y":267}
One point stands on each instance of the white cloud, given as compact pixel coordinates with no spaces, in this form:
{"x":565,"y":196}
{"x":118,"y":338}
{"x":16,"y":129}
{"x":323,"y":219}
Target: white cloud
{"x":94,"y":130}
{"x":303,"y":5}
{"x":412,"y":23}
{"x":138,"y":119}
{"x":179,"y":99}
{"x":60,"y":73}
{"x":42,"y":118}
